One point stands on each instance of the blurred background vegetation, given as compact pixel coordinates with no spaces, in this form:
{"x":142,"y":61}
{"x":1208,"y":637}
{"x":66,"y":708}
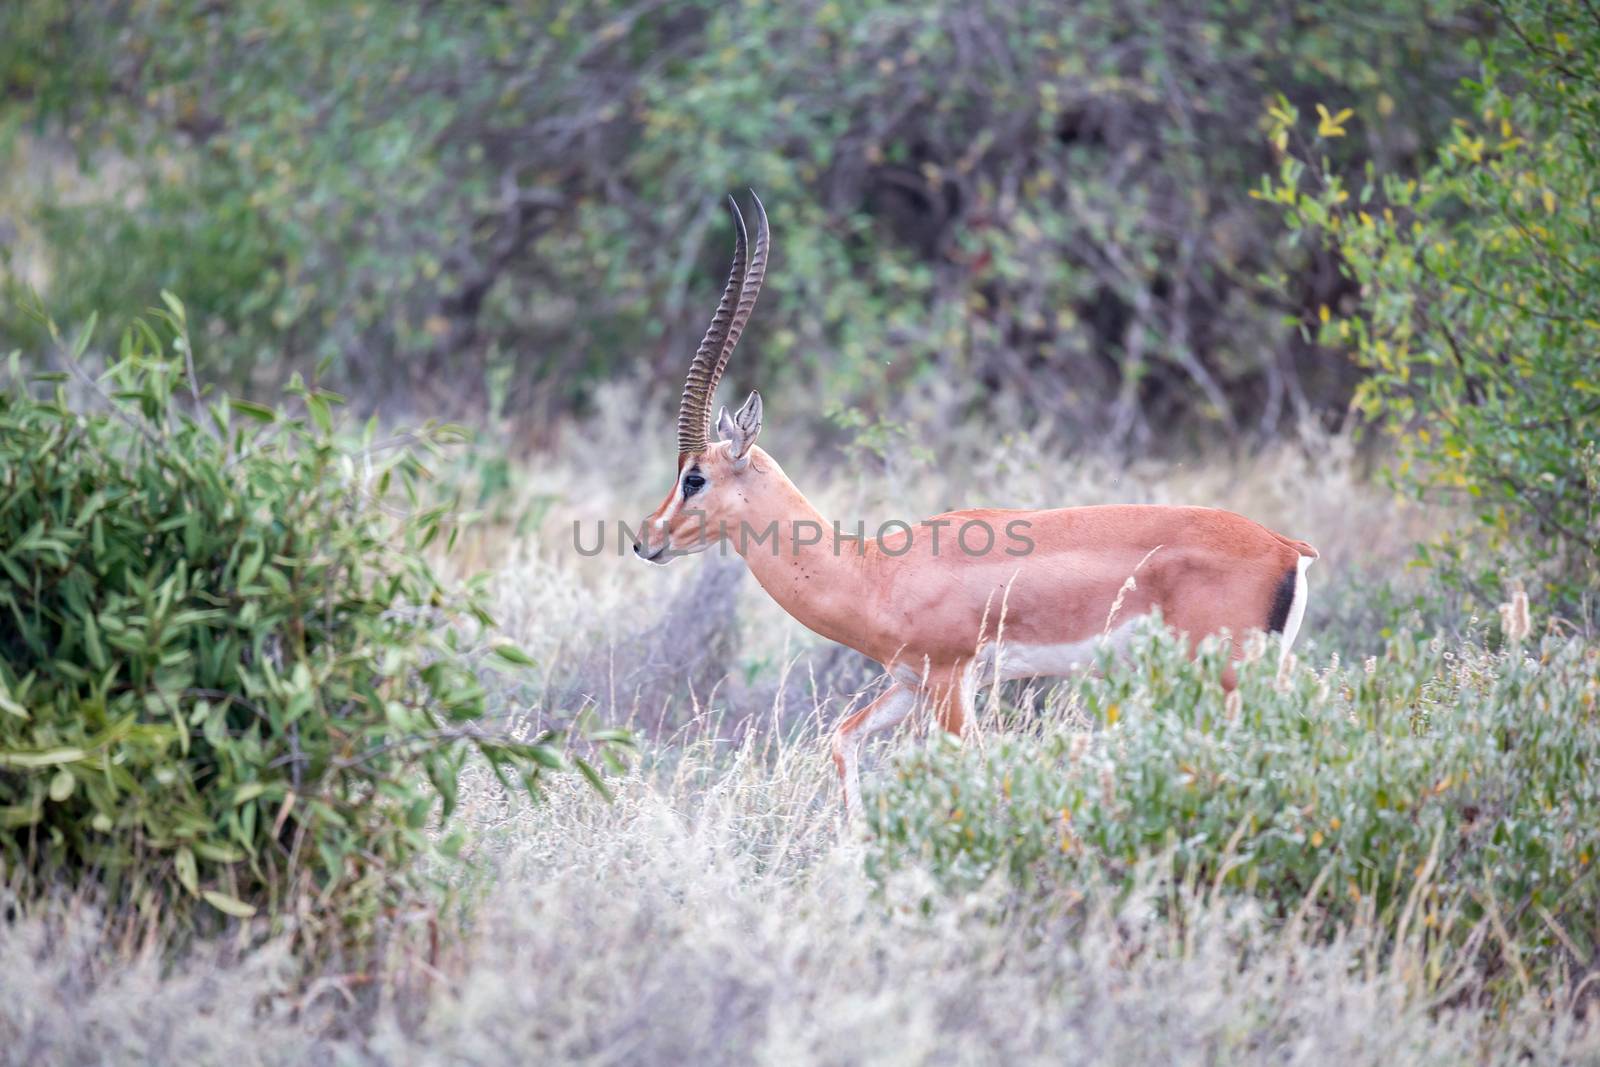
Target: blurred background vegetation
{"x":1114,"y":222}
{"x":1026,"y":204}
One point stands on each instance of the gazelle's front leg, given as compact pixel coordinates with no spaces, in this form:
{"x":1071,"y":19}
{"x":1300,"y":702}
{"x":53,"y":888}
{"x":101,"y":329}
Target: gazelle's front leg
{"x":885,"y":713}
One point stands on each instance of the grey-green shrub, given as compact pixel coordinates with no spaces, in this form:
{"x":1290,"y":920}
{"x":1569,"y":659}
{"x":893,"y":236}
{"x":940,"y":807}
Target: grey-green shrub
{"x":1434,"y":784}
{"x":228,"y":673}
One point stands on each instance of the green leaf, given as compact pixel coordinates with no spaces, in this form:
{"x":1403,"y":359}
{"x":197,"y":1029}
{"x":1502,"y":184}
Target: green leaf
{"x":259,"y":412}
{"x":248,"y":792}
{"x":17,"y":815}
{"x":80,"y":344}
{"x":592,"y":775}
{"x":250,"y":566}
{"x":217,"y":853}
{"x":228,"y":905}
{"x":188,"y":873}
{"x":418,"y":811}
{"x":547,"y":757}
{"x":175,"y":305}
{"x":613,"y":737}
{"x":512,"y":654}
{"x":46,"y":758}
{"x":10,"y":706}
{"x":318,"y":407}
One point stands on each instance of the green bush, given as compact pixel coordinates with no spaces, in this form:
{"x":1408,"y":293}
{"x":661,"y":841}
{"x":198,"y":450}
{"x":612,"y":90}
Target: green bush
{"x":1476,"y":305}
{"x":1428,"y":787}
{"x":229,"y":679}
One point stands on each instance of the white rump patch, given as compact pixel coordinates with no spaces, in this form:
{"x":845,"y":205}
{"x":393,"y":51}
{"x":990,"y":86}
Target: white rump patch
{"x":1297,"y":609}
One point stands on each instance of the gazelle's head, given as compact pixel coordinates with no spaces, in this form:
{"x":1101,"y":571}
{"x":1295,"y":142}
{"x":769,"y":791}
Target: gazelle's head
{"x":704,"y":504}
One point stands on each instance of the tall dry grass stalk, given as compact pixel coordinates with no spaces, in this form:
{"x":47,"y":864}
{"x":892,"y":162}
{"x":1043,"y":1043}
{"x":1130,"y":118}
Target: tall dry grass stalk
{"x":714,"y":914}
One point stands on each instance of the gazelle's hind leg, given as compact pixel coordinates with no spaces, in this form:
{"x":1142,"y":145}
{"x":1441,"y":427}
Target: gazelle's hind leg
{"x":885,"y":713}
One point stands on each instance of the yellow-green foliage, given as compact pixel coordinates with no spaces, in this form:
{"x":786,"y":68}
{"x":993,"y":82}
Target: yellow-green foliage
{"x":1477,"y":308}
{"x":1430,"y":786}
{"x":227,"y":673}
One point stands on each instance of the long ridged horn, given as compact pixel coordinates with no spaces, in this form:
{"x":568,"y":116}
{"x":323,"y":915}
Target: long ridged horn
{"x":753,"y":277}
{"x":694,"y":411}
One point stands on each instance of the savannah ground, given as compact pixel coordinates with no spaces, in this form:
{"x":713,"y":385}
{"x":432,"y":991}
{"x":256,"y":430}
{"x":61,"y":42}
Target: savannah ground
{"x":716,"y":910}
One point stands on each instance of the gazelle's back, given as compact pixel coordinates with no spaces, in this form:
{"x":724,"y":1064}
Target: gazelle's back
{"x":1067,"y":575}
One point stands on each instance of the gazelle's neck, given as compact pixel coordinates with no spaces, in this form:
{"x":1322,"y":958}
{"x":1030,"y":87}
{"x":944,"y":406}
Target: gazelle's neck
{"x":793,"y":552}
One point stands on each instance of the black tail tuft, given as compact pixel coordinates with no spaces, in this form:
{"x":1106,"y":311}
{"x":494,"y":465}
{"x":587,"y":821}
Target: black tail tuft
{"x":1282,"y":601}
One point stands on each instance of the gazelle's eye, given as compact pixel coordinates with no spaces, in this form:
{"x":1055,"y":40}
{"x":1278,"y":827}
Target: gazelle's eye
{"x":692,"y":484}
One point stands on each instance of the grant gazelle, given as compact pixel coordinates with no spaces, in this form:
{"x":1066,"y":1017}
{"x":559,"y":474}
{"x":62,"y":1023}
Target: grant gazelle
{"x":941,"y":619}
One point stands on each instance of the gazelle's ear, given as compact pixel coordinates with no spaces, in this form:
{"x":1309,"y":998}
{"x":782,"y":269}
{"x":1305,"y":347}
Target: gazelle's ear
{"x":739,"y":430}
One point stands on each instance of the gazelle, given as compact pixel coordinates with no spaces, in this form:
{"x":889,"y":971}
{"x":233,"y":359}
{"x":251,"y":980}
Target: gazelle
{"x":1033,"y":596}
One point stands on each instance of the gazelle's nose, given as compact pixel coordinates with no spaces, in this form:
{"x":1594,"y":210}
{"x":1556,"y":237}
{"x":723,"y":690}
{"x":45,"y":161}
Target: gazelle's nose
{"x":637,"y":551}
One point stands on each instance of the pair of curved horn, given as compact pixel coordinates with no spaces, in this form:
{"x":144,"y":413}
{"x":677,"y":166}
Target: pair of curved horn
{"x":733,"y":311}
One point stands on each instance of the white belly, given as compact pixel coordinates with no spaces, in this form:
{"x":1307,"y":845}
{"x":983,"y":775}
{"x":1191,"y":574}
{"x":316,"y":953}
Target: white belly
{"x":1005,"y":660}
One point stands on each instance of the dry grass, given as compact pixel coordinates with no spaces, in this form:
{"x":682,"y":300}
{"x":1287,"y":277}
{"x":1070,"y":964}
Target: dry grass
{"x":715,"y":913}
